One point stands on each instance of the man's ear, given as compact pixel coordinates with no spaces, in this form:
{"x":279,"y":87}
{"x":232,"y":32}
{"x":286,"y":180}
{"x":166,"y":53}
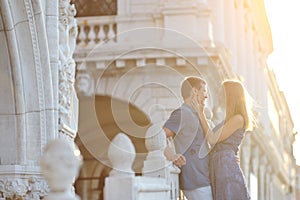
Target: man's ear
{"x":194,"y":91}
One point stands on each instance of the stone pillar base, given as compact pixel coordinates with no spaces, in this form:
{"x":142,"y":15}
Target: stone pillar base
{"x":22,"y":182}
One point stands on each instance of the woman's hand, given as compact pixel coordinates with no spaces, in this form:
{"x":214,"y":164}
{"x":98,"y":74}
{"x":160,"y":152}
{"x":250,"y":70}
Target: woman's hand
{"x":198,"y":106}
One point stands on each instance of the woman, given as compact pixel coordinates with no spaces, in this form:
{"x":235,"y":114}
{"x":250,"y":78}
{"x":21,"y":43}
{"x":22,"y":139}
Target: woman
{"x":226,"y":176}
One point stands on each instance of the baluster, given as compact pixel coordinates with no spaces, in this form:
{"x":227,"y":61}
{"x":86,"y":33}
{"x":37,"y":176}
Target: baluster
{"x":156,"y":164}
{"x":101,"y":33}
{"x":82,"y":35}
{"x":111,"y":33}
{"x":92,"y":35}
{"x":121,"y":154}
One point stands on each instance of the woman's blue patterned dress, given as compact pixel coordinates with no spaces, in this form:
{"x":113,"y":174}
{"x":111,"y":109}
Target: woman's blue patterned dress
{"x":227,"y":179}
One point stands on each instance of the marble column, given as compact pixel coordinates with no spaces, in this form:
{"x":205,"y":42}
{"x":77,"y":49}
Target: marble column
{"x":230,"y":33}
{"x":249,"y":54}
{"x":217,"y":7}
{"x":246,"y":156}
{"x":190,"y":18}
{"x":255,"y":165}
{"x":28,"y":118}
{"x":262,"y":177}
{"x":240,"y":29}
{"x":268,"y":181}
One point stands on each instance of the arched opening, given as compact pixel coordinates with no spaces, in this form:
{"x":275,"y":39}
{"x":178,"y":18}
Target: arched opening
{"x":90,"y":182}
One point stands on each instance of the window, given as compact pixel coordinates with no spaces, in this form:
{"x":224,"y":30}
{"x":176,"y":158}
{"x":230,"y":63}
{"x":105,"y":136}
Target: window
{"x":95,"y":7}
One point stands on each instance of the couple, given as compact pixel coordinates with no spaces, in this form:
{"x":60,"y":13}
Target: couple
{"x":216,"y":175}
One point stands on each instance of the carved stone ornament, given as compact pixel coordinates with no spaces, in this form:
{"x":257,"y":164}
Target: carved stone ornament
{"x":68,"y":101}
{"x":121,"y":154}
{"x":85,"y":84}
{"x":32,"y":188}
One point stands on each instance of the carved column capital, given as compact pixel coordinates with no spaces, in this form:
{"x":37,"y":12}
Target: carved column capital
{"x":15,"y":188}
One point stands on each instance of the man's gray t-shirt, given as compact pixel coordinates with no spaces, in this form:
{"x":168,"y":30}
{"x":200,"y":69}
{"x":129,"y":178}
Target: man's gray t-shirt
{"x":188,"y":141}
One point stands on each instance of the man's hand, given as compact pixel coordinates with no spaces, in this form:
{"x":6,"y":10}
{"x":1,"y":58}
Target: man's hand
{"x":179,"y":160}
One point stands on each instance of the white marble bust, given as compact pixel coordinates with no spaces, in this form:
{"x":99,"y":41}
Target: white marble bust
{"x":60,"y":165}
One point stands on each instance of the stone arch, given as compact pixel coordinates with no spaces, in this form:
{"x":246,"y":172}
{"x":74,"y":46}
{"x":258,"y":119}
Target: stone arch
{"x":27,"y":107}
{"x":93,"y":143}
{"x":155,"y":90}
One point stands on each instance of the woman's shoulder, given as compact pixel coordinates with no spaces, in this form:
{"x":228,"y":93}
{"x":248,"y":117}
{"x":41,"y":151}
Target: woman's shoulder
{"x":237,"y":121}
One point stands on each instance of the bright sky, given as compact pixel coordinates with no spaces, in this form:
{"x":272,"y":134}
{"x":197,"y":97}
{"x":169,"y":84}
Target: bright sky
{"x":284,"y":21}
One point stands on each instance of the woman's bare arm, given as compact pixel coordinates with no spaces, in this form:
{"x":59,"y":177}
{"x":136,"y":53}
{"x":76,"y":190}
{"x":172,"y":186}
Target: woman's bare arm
{"x":228,"y":128}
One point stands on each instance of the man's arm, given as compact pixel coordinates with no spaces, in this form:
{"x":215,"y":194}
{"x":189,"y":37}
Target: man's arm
{"x":170,"y":153}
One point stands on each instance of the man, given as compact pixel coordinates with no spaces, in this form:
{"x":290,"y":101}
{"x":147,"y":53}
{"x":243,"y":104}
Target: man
{"x":184,"y":126}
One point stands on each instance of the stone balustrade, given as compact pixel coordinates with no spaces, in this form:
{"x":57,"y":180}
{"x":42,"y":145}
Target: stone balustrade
{"x":96,"y":30}
{"x":60,"y":165}
{"x":160,"y":177}
{"x":156,"y":165}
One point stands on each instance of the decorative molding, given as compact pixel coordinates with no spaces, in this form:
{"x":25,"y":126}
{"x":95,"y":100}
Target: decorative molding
{"x":16,"y":188}
{"x":38,"y":66}
{"x":68,"y":102}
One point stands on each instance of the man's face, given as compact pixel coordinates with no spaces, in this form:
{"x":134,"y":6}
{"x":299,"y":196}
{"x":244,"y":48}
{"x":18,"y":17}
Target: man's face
{"x":202,"y":94}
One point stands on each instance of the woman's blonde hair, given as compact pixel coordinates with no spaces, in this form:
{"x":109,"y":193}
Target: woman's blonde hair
{"x":238,"y":101}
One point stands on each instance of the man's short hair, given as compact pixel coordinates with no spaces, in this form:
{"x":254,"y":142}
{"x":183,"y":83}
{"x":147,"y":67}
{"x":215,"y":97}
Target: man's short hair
{"x":188,"y":83}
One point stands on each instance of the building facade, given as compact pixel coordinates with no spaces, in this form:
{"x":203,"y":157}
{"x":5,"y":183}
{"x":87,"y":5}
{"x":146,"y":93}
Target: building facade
{"x":38,"y":99}
{"x":133,"y":55}
{"x":130,"y":57}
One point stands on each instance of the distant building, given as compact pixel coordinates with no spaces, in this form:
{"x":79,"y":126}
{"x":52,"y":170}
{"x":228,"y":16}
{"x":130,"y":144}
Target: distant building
{"x":118,"y":57}
{"x":297,"y":187}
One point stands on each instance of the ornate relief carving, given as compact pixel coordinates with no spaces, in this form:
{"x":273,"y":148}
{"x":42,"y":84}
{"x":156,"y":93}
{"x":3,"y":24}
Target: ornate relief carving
{"x":68,"y":102}
{"x":85,"y":84}
{"x":32,"y":188}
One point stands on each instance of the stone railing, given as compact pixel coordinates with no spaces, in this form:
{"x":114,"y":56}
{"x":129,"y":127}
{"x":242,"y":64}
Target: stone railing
{"x":160,"y":177}
{"x":61,"y":162}
{"x":156,"y":165}
{"x":96,"y":30}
